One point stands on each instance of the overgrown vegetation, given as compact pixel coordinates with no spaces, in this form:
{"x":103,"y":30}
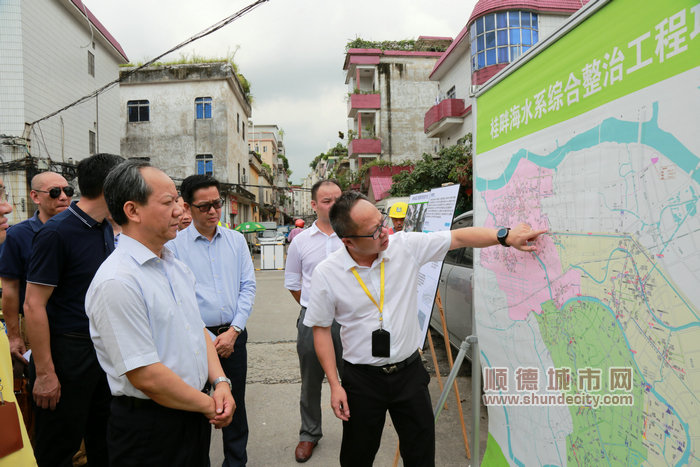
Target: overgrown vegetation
{"x":187,"y":59}
{"x":453,"y":164}
{"x":407,"y":45}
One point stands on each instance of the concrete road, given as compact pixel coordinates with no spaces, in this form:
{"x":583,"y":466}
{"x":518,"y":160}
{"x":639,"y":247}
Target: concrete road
{"x":273,"y":387}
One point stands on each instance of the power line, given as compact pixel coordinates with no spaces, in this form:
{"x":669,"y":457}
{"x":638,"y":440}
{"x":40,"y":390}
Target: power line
{"x":215,"y":27}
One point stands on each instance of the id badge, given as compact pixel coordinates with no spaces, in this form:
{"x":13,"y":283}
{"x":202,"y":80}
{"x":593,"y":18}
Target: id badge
{"x":380,"y":343}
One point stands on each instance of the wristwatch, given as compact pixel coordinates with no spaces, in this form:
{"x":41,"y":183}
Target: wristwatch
{"x":237,"y":329}
{"x":502,"y":235}
{"x":221,"y":379}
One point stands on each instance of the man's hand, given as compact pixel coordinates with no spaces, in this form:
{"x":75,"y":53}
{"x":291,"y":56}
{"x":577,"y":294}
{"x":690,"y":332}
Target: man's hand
{"x":519,"y":237}
{"x":224,"y":343}
{"x":47,"y":390}
{"x":224,"y":406}
{"x":18,"y":349}
{"x":339,"y":403}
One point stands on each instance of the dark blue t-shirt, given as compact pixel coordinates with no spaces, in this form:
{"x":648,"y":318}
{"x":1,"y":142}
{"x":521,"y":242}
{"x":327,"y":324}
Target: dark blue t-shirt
{"x":14,"y":256}
{"x":66,"y":254}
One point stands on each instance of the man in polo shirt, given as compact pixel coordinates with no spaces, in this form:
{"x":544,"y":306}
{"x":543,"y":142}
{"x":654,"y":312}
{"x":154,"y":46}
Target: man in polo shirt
{"x":222,"y":265}
{"x":309,"y":248}
{"x":369,"y":287}
{"x":51,"y":193}
{"x":70,"y":389}
{"x":148,"y":334}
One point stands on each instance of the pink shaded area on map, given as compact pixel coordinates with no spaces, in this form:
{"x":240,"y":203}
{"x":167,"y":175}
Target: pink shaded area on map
{"x":527,"y":279}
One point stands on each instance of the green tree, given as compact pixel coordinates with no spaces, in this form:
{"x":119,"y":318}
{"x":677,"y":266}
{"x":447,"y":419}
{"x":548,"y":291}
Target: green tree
{"x":454,"y":164}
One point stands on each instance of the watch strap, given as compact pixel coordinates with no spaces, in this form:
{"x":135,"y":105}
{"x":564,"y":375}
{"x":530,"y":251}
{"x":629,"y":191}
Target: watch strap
{"x":222,"y":379}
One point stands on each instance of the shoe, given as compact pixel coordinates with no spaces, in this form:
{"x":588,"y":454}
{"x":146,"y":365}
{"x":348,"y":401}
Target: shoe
{"x":304,"y":449}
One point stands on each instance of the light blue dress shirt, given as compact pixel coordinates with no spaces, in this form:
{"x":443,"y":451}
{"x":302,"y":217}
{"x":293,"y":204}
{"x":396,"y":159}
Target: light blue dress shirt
{"x":224,"y":271}
{"x":143,"y":310}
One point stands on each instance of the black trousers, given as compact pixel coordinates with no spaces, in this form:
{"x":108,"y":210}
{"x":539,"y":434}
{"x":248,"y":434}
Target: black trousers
{"x":143,"y":433}
{"x":371,"y":393}
{"x":83,"y":409}
{"x":235,"y":435}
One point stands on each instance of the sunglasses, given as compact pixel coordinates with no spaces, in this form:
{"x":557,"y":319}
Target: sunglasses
{"x":205,"y":207}
{"x":55,"y":192}
{"x":375,"y":235}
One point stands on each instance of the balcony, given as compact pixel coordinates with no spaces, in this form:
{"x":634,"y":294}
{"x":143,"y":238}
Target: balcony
{"x":365,"y":146}
{"x":360,"y":102}
{"x":446,"y":114}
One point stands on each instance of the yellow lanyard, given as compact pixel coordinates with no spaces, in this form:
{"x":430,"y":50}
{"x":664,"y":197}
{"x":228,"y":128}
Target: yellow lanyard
{"x":380,"y":307}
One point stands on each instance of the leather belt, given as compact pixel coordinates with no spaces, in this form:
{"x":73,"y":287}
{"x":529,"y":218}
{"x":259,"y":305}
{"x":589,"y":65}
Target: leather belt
{"x":217,"y":330}
{"x":390,"y":368}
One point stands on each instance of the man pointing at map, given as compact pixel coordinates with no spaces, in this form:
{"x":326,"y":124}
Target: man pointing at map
{"x":369,"y":287}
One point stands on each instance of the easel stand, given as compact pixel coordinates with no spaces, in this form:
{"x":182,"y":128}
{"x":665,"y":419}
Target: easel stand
{"x":476,"y":390}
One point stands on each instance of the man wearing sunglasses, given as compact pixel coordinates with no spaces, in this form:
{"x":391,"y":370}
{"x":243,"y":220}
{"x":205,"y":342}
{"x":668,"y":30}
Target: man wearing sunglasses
{"x":70,"y":388}
{"x":52,"y":194}
{"x":369,"y":288}
{"x":223,"y":268}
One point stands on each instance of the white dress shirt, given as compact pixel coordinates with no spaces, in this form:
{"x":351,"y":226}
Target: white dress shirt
{"x":307,"y":250}
{"x":143,"y":310}
{"x":336,"y":293}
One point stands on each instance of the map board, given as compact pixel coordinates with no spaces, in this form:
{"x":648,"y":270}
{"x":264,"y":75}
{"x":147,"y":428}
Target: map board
{"x":591,"y":345}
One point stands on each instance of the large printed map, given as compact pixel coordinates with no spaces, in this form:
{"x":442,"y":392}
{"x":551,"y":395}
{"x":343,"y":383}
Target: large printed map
{"x":614,"y":284}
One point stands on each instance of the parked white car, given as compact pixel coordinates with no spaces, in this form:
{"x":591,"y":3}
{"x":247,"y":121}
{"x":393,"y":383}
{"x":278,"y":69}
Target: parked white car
{"x":455,"y":290}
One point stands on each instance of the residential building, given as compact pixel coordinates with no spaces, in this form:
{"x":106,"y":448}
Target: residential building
{"x":388,"y":95}
{"x":268,"y":141}
{"x":190,"y":119}
{"x":496,"y":34}
{"x":52,"y":53}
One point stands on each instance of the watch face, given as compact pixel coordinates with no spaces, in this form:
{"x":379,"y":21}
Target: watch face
{"x":502,"y":233}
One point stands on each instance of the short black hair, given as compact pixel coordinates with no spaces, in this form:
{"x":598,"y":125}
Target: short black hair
{"x":194,"y":183}
{"x":92,"y":172}
{"x":342,"y":223}
{"x":125,"y":183}
{"x":317,"y":185}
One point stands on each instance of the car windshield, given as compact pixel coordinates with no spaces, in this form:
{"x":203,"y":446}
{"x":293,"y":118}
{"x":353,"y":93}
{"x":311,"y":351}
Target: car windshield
{"x":269,"y":234}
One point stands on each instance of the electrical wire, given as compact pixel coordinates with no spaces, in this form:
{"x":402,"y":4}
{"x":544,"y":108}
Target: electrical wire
{"x":213,"y":28}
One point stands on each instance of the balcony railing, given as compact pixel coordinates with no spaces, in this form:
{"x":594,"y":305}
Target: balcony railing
{"x":363,"y":102}
{"x":365,"y":146}
{"x":449,"y":108}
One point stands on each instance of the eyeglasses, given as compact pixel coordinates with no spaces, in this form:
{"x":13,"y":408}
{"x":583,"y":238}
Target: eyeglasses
{"x":205,"y":207}
{"x":375,"y":235}
{"x":55,"y":192}
{"x":4,"y":196}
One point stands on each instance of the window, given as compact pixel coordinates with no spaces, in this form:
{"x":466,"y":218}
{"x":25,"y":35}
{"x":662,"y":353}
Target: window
{"x":138,"y":111}
{"x":205,"y":164}
{"x":502,"y":37}
{"x":451,"y":94}
{"x":238,"y":123}
{"x":264,"y":148}
{"x":92,"y":142}
{"x":91,"y":63}
{"x":203,"y":107}
{"x":243,"y":133}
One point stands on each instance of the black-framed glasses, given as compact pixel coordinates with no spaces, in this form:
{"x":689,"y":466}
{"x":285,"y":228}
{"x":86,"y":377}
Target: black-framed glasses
{"x":55,"y":192}
{"x":375,"y":235}
{"x":205,"y":207}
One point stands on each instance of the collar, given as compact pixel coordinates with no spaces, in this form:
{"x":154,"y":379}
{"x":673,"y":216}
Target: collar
{"x":349,"y":262}
{"x":80,"y":214}
{"x":139,"y":252}
{"x":194,"y":235}
{"x":313,"y":230}
{"x":34,"y":222}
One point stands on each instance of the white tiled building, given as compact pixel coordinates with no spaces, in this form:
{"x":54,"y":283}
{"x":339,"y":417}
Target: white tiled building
{"x":53,"y":52}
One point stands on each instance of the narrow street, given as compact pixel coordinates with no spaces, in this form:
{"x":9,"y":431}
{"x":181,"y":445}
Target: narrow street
{"x":273,"y":393}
